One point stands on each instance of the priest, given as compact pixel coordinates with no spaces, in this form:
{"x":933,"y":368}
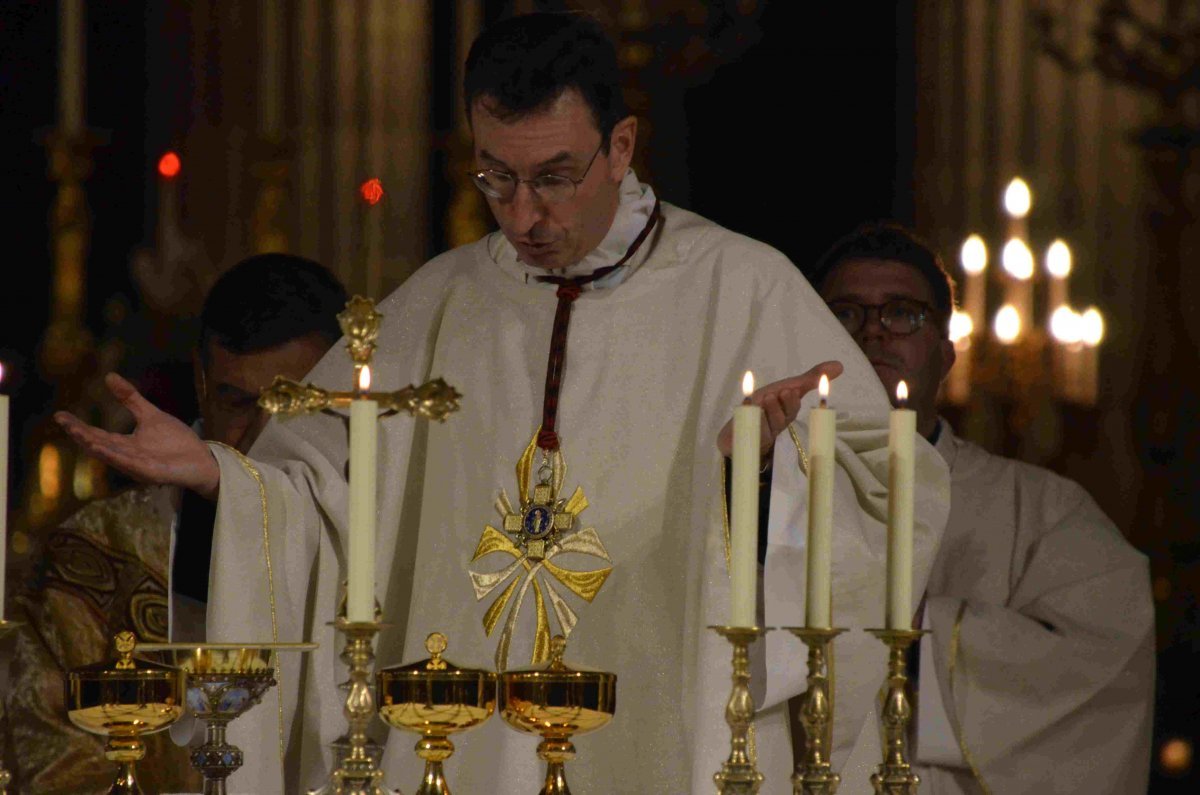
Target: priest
{"x":1038,"y":674}
{"x":599,"y":340}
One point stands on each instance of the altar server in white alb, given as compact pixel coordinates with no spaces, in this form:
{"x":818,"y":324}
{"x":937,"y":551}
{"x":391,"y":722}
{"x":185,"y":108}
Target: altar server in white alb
{"x":1039,"y":673}
{"x":605,"y":333}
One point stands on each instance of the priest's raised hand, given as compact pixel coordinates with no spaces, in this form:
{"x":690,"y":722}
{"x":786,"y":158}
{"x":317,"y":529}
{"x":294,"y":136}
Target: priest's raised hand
{"x":161,"y":449}
{"x":780,"y":402}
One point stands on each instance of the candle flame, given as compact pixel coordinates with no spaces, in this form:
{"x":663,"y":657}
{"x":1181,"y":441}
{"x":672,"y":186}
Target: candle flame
{"x":1017,"y":259}
{"x":1058,"y":259}
{"x":1007,"y":324}
{"x":902,"y":393}
{"x":1091,"y":327}
{"x":823,"y":387}
{"x":974,"y":255}
{"x":748,"y":384}
{"x":364,"y":378}
{"x":1018,"y":198}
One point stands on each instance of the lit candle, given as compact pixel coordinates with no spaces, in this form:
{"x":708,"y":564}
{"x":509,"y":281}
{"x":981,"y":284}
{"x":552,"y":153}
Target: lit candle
{"x":743,"y":519}
{"x":822,"y":428}
{"x":360,"y":596}
{"x":974,"y":257}
{"x":901,"y":436}
{"x":3,"y":488}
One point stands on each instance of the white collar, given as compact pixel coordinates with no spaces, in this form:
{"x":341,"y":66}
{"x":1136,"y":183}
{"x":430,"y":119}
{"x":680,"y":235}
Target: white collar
{"x":635,"y":205}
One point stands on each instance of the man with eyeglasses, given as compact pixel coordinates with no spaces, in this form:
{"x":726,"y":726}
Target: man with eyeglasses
{"x":1039,"y":673}
{"x":599,"y":340}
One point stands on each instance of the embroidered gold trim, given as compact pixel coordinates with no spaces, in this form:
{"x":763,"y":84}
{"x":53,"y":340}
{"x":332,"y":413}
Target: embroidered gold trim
{"x":266,"y":529}
{"x":801,"y":456}
{"x":968,"y":757}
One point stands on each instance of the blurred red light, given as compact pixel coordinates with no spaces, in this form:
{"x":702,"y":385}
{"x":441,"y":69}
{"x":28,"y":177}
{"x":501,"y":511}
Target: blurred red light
{"x":169,"y":165}
{"x":371,"y":191}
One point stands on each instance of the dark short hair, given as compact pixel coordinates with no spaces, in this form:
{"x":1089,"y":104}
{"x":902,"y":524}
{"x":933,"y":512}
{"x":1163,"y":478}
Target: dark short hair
{"x":267,"y":300}
{"x":891,"y":241}
{"x":524,"y":63}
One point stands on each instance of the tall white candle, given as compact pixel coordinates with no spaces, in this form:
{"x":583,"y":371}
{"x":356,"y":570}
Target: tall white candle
{"x":364,"y":429}
{"x":743,"y":519}
{"x":3,"y":489}
{"x":822,"y":431}
{"x":72,"y":61}
{"x":901,"y":436}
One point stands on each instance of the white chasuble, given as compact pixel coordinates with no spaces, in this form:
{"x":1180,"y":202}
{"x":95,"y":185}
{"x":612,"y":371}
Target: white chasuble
{"x":653,"y":368}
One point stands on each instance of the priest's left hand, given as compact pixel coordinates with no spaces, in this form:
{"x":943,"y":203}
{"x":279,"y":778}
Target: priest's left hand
{"x":780,"y":403}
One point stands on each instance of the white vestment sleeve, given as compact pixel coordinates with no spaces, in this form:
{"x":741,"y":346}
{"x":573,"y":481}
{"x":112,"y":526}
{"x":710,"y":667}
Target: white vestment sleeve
{"x":1058,"y":683}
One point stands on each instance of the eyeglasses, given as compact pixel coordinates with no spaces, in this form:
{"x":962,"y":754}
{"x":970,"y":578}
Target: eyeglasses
{"x":900,"y":316}
{"x":550,"y":188}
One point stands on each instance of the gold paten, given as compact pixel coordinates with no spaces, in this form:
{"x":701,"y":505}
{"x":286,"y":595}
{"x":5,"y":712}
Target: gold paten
{"x":435,"y":698}
{"x":557,"y":703}
{"x":814,"y":775}
{"x":123,"y":700}
{"x":894,"y":775}
{"x":539,"y":529}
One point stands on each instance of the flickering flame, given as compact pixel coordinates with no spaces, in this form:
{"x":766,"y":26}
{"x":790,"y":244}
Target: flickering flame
{"x":1008,"y":324}
{"x":364,"y":378}
{"x":1,"y":372}
{"x":1017,"y":259}
{"x":748,"y":384}
{"x":823,"y":388}
{"x":974,"y":255}
{"x":961,"y":326}
{"x":901,"y":394}
{"x":1091,"y":327}
{"x":169,"y":165}
{"x":1017,"y":198}
{"x":1066,"y":325}
{"x":1058,"y":259}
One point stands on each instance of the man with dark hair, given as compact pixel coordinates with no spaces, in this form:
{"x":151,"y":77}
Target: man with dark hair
{"x":139,"y":560}
{"x":598,"y":328}
{"x":1039,"y":673}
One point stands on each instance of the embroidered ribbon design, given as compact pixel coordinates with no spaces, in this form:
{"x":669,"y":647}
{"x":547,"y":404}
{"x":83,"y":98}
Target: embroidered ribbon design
{"x":540,"y":530}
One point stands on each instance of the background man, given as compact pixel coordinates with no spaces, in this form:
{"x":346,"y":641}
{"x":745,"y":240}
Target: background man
{"x":599,"y":329}
{"x":105,"y":568}
{"x":1039,"y":674}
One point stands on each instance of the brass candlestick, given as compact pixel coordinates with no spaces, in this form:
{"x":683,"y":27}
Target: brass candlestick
{"x":435,"y":698}
{"x":6,"y":628}
{"x":224,"y":680}
{"x":814,"y":776}
{"x":894,"y":776}
{"x":122,"y":700}
{"x":358,"y":756}
{"x":739,"y":775}
{"x":557,"y":703}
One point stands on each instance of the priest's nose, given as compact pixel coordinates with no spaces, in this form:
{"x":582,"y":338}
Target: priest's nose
{"x":526,"y":209}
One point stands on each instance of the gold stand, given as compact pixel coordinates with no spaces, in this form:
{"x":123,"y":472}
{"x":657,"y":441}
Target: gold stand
{"x":894,"y":776}
{"x":813,"y":775}
{"x":357,"y":771}
{"x":738,"y":775}
{"x":6,"y":628}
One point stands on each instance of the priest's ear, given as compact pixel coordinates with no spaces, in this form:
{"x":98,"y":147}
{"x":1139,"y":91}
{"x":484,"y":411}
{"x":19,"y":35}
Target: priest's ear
{"x":948,"y":356}
{"x":621,"y":142}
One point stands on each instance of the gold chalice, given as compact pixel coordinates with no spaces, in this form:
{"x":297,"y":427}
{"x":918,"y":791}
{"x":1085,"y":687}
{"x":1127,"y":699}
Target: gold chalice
{"x":123,"y":700}
{"x":223,"y":681}
{"x":557,"y":703}
{"x":435,"y":698}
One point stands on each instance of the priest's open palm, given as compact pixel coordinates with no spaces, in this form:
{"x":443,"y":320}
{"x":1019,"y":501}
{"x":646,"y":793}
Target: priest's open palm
{"x":161,"y":449}
{"x":780,"y":402}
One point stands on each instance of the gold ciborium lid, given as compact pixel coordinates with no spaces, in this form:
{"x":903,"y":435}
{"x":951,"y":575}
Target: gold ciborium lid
{"x":557,"y":702}
{"x":436,"y":698}
{"x":123,"y":699}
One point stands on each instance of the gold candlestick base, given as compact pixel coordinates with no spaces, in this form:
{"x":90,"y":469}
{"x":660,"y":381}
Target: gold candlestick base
{"x":813,"y":775}
{"x":6,"y":628}
{"x":357,"y":771}
{"x":894,"y":776}
{"x":739,"y":775}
